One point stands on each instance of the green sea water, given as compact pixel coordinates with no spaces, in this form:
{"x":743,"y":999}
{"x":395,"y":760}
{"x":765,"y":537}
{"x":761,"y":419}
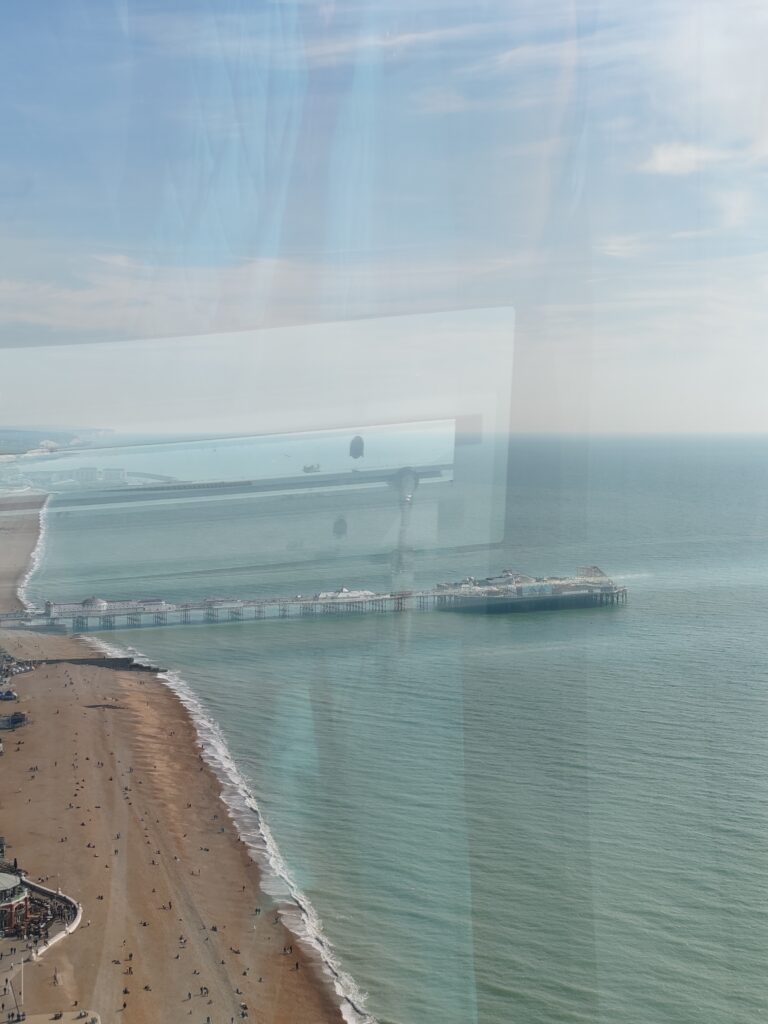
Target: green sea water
{"x":539,"y":818}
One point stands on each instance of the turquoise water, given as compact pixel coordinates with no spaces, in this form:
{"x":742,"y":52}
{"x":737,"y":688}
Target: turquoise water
{"x":539,"y":818}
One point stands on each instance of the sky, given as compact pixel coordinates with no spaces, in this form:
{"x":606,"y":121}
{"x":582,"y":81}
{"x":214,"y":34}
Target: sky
{"x":202,"y":173}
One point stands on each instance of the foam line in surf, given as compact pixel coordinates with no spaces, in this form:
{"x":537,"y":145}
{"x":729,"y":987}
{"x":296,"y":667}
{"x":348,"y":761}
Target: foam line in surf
{"x":36,"y":558}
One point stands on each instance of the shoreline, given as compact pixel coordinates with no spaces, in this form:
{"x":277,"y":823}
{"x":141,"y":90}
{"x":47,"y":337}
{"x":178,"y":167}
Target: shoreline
{"x":245,"y":815}
{"x":22,"y":540}
{"x":36,"y":556}
{"x":213,"y":876}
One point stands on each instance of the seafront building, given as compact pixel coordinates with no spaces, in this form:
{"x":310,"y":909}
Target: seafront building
{"x":29,"y":909}
{"x":14,"y":905}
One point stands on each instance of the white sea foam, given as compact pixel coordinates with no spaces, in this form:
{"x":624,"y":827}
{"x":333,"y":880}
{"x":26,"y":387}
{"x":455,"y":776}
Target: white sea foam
{"x":295,"y":909}
{"x":36,"y":558}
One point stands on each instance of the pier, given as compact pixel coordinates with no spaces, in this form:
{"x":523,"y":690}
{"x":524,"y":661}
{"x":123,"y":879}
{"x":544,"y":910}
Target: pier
{"x":510,"y":592}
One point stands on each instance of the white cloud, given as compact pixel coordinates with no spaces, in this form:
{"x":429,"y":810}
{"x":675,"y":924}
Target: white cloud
{"x":623,"y":247}
{"x":450,"y":100}
{"x":224,"y":36}
{"x":710,"y":61}
{"x":117,"y":297}
{"x":567,"y":46}
{"x":677,"y":158}
{"x":734,"y":206}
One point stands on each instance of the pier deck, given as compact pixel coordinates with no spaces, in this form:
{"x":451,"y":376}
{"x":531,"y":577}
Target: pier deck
{"x":469,"y":596}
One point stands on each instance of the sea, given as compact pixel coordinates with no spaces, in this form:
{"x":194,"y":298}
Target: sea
{"x":535,"y":818}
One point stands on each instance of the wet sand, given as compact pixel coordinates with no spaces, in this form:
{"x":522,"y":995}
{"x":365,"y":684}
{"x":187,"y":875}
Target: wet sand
{"x":19,"y":527}
{"x":124,"y":816}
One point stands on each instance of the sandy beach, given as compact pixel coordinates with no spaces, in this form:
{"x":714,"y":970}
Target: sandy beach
{"x":124,"y":816}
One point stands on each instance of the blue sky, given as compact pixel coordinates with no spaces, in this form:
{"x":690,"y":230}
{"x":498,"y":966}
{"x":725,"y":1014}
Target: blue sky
{"x":202,"y":168}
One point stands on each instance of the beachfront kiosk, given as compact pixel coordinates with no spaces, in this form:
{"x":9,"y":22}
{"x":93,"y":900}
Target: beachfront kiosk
{"x":14,"y":905}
